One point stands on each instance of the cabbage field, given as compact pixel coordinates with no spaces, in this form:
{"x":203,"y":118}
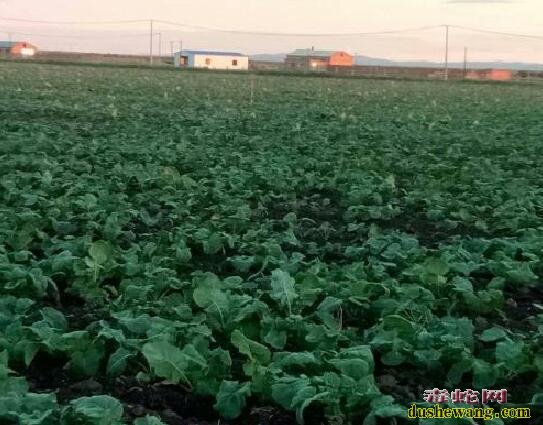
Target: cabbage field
{"x":211,"y":248}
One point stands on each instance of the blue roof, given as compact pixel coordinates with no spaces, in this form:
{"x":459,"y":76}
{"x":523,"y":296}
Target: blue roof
{"x":7,"y":44}
{"x":209,"y":53}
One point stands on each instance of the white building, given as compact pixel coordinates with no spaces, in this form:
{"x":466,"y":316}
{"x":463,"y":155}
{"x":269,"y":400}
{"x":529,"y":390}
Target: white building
{"x":17,"y":48}
{"x":211,"y":60}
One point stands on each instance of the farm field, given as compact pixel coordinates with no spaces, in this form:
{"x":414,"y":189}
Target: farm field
{"x":176,"y":250}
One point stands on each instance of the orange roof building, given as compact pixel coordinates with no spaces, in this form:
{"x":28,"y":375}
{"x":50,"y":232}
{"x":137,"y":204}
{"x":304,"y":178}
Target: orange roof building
{"x":490,"y":74}
{"x":318,"y":59}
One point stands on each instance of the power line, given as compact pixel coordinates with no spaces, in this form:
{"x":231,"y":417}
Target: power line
{"x":201,"y":27}
{"x":510,"y":34}
{"x":79,"y":36}
{"x":287,"y":34}
{"x":271,"y":33}
{"x":30,"y":21}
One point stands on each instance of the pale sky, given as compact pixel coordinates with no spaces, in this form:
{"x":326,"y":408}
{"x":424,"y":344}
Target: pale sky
{"x":292,"y":16}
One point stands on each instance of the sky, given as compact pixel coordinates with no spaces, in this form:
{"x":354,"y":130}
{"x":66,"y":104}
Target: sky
{"x":285,"y":16}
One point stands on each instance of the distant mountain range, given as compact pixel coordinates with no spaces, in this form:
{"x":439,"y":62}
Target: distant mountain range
{"x":369,"y":61}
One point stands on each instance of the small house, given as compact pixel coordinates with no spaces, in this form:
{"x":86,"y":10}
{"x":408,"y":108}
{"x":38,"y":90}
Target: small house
{"x":317,"y":59}
{"x":490,"y":74}
{"x":17,"y":48}
{"x":211,"y":60}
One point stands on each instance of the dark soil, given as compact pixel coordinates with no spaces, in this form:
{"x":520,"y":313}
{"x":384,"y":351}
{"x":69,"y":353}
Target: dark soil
{"x":46,"y":374}
{"x":175,"y":406}
{"x":321,"y":217}
{"x":316,"y":205}
{"x":77,"y":311}
{"x":428,"y":232}
{"x":521,"y":305}
{"x":320,"y":222}
{"x":171,"y":403}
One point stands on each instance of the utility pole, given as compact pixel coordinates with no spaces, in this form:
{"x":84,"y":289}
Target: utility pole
{"x":151,"y":44}
{"x":446,"y":52}
{"x":172,"y":53}
{"x":9,"y":37}
{"x":465,"y":62}
{"x":159,"y":47}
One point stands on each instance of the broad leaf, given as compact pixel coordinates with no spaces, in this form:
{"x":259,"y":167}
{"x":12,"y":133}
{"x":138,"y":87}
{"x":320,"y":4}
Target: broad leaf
{"x":254,"y":350}
{"x":231,"y":398}
{"x":283,"y":289}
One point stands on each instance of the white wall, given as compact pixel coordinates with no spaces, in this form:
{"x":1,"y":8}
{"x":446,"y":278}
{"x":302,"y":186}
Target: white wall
{"x":219,"y":62}
{"x":27,"y":51}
